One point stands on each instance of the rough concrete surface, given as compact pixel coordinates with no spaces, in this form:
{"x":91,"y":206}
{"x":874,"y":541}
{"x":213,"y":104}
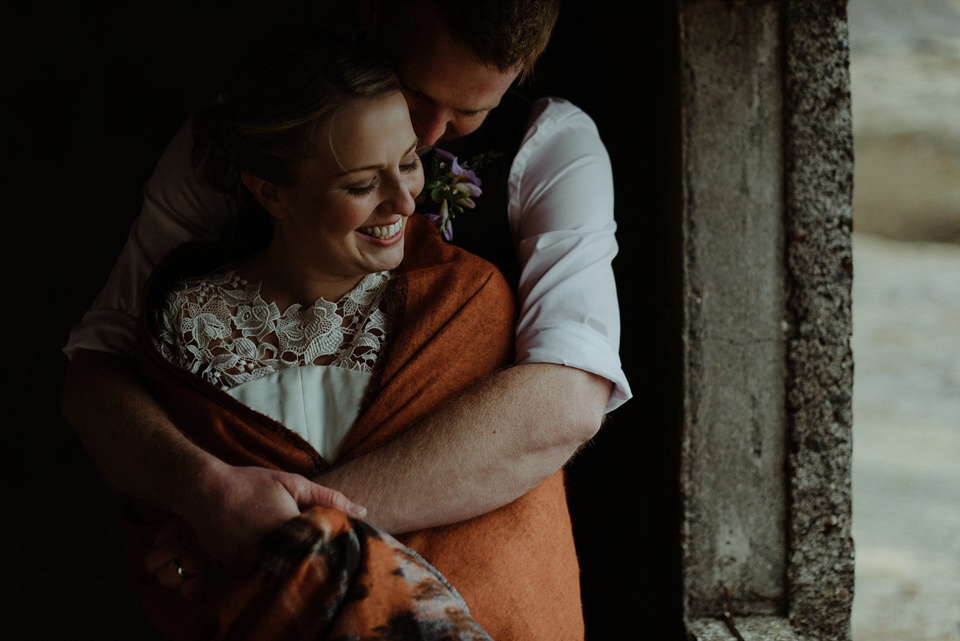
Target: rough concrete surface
{"x":801,"y":320}
{"x":819,"y":183}
{"x":750,"y":628}
{"x":734,"y":356}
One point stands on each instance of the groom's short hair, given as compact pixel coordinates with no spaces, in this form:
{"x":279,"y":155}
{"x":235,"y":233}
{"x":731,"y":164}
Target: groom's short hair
{"x":504,"y":34}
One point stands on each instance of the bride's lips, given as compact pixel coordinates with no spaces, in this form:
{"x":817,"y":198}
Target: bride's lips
{"x":383,"y":234}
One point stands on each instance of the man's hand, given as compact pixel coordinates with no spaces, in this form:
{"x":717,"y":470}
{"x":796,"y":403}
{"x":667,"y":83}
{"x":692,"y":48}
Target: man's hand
{"x":235,"y":511}
{"x":143,"y":454}
{"x":483,"y":450}
{"x":236,"y":506}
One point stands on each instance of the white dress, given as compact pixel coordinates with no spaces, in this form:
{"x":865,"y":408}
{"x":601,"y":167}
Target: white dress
{"x":305,"y":367}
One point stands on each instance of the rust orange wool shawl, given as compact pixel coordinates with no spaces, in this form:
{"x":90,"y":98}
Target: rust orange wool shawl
{"x":515,"y":567}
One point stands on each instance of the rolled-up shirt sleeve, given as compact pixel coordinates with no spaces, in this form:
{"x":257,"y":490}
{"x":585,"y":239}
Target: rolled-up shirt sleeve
{"x":176,"y":208}
{"x":561,"y":214}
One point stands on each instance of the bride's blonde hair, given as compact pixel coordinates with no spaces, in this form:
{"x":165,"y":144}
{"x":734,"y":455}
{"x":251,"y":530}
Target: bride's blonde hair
{"x":267,"y":121}
{"x":287,"y":87}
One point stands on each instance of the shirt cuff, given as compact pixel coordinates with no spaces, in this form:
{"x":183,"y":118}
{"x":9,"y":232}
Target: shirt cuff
{"x":581,"y":348}
{"x":104,"y":330}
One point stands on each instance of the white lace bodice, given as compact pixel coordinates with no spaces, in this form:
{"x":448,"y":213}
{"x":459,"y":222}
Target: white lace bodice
{"x":219,"y":328}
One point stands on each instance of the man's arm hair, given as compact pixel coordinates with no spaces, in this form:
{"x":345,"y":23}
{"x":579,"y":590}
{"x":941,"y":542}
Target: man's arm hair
{"x":143,"y":454}
{"x":475,"y":454}
{"x":479,"y":452}
{"x":128,"y":434}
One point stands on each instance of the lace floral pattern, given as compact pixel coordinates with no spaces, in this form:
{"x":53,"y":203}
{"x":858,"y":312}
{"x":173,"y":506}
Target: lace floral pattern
{"x":219,"y":328}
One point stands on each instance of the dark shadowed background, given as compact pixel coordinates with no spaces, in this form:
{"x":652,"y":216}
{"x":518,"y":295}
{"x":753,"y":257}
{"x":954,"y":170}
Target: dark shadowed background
{"x":89,"y":96}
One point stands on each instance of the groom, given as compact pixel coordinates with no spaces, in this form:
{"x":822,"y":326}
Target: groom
{"x":545,"y":218}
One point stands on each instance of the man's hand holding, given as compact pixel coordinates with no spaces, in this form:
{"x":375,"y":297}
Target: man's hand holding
{"x":233,"y":508}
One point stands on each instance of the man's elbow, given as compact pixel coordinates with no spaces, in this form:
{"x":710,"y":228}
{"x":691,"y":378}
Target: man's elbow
{"x":583,"y":427}
{"x":586,"y":409}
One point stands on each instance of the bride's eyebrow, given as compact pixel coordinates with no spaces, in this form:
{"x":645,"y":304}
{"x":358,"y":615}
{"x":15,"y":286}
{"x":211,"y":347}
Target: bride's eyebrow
{"x":411,"y":149}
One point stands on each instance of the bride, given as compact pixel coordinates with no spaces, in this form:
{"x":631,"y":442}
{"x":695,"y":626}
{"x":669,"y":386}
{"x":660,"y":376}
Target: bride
{"x":294,"y":329}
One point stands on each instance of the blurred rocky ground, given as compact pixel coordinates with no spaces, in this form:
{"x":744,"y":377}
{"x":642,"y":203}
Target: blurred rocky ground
{"x":906,"y":452}
{"x":905,"y":76}
{"x":905,"y":68}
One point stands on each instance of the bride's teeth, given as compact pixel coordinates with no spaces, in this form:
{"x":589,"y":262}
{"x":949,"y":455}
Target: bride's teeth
{"x":385,"y":231}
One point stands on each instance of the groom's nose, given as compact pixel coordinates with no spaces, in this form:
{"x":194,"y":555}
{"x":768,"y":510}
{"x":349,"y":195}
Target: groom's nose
{"x":430,"y":125}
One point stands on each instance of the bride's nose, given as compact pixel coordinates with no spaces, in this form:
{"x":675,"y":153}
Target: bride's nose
{"x":399,"y":200}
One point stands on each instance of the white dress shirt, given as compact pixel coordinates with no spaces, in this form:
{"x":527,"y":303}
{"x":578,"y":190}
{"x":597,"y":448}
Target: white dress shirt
{"x":561,"y":215}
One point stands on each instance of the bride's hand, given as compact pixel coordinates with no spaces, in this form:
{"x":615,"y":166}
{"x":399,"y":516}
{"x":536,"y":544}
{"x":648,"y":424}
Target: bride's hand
{"x":177,"y":560}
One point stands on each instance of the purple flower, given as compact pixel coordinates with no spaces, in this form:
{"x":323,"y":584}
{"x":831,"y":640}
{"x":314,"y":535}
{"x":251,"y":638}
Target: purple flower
{"x":460,"y":173}
{"x":441,"y":221}
{"x":462,"y":193}
{"x":446,"y":155}
{"x":451,"y":186}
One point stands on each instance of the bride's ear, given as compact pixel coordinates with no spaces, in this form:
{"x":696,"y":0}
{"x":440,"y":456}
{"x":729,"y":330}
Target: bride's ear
{"x":266,"y":194}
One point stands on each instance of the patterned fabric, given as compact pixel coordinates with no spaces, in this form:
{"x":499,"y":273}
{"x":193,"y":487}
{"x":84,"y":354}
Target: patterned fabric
{"x":219,"y":328}
{"x":356,"y":583}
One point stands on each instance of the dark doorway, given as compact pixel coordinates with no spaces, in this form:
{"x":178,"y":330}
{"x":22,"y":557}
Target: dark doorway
{"x":92,"y":94}
{"x":620,"y":62}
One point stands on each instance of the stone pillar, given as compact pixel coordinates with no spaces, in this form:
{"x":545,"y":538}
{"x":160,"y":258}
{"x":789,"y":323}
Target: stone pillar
{"x":767,"y":187}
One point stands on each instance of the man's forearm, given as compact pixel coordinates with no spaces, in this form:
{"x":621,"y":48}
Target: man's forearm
{"x":138,"y":449}
{"x":144,"y":454}
{"x":479,"y":452}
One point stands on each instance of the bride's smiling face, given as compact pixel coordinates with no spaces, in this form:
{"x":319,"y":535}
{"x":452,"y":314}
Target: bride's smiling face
{"x":346,"y":215}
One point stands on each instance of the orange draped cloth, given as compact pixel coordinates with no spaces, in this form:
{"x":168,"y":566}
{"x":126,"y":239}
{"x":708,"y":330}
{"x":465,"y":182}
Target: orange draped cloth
{"x":515,"y":567}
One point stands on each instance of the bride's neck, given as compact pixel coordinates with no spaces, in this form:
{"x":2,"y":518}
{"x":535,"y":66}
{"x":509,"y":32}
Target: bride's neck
{"x":285,"y":281}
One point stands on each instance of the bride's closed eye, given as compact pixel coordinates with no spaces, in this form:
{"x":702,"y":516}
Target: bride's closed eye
{"x":362,"y":190}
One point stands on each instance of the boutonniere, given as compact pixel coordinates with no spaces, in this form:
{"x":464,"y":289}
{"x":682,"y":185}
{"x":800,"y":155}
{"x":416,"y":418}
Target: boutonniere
{"x":450,"y":186}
